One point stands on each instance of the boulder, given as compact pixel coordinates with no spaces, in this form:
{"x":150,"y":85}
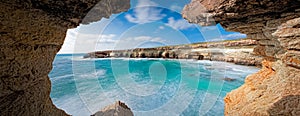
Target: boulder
{"x":116,"y":109}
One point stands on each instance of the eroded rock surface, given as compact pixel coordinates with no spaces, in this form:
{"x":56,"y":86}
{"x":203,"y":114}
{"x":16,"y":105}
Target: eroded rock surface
{"x":257,"y":19}
{"x":32,"y":32}
{"x":117,"y":109}
{"x":275,"y":25}
{"x":289,"y":36}
{"x":267,"y":92}
{"x":237,"y":51}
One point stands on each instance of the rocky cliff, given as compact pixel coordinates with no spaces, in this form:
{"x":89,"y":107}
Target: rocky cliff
{"x":32,"y":32}
{"x":275,"y":25}
{"x":236,"y":51}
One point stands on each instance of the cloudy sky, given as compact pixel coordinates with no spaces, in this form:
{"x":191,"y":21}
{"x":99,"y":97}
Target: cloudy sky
{"x":149,"y":23}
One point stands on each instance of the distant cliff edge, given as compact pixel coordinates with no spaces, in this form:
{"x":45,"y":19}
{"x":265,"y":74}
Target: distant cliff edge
{"x":236,"y":51}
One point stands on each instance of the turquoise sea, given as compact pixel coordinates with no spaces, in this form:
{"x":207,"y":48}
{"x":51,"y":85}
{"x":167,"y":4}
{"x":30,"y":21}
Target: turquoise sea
{"x":148,"y":86}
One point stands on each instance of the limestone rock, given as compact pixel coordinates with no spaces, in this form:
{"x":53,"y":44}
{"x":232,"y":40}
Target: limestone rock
{"x":117,"y":109}
{"x":32,"y":32}
{"x":257,"y":19}
{"x":238,"y":56}
{"x":289,"y":36}
{"x":274,"y":90}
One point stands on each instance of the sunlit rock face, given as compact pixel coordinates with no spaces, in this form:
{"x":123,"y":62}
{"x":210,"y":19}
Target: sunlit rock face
{"x":235,"y":51}
{"x":275,"y":24}
{"x":32,"y":32}
{"x":274,"y":90}
{"x":289,"y":36}
{"x":116,"y":109}
{"x":257,"y":19}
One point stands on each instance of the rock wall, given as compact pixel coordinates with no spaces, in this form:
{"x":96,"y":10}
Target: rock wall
{"x":258,"y":19}
{"x":32,"y":32}
{"x":274,"y":90}
{"x":275,"y":24}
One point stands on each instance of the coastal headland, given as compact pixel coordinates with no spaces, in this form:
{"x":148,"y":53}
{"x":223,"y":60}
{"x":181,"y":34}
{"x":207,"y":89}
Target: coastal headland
{"x":235,"y":51}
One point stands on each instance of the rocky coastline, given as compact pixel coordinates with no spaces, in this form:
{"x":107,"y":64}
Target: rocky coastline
{"x":33,"y":31}
{"x":235,"y":51}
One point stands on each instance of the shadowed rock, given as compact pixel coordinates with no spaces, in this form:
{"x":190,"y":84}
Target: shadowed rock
{"x":287,"y":105}
{"x":275,"y":25}
{"x":229,"y":79}
{"x":32,"y":32}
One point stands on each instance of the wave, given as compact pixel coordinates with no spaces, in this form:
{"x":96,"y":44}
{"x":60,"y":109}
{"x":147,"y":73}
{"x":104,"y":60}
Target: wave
{"x":72,"y":100}
{"x":96,"y":74}
{"x":97,"y":89}
{"x":55,"y":78}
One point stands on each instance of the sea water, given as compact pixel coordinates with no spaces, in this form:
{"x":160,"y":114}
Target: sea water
{"x":148,"y":86}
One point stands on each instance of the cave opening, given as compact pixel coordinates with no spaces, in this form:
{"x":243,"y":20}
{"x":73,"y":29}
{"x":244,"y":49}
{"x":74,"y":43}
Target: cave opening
{"x":146,"y":26}
{"x":32,"y":32}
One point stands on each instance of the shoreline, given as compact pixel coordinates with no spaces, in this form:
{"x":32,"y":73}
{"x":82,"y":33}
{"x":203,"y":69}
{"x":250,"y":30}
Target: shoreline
{"x":235,"y":51}
{"x":164,"y":59}
{"x":238,"y":58}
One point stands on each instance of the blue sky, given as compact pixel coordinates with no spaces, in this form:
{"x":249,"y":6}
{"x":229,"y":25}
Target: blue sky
{"x":149,"y":23}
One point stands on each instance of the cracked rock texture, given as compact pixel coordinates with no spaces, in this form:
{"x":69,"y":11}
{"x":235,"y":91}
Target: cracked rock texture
{"x":275,"y":24}
{"x":32,"y":32}
{"x":274,"y":90}
{"x":116,"y":109}
{"x":256,"y":18}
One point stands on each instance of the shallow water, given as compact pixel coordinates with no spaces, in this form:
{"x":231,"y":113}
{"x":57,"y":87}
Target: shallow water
{"x":148,"y":86}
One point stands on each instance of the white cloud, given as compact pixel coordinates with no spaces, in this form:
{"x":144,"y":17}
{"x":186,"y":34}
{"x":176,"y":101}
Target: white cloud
{"x":209,"y":28}
{"x":176,"y":8}
{"x":179,"y":24}
{"x":142,"y":3}
{"x":161,"y":27}
{"x":76,"y":42}
{"x":214,"y":39}
{"x":136,"y":42}
{"x":107,"y":39}
{"x":68,"y":46}
{"x":234,"y":36}
{"x":147,"y":39}
{"x":229,"y":37}
{"x":143,"y":14}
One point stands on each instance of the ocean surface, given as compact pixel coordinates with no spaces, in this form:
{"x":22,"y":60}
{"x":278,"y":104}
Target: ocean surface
{"x":149,"y":87}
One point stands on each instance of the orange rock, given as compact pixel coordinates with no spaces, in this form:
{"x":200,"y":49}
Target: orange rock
{"x":264,"y":91}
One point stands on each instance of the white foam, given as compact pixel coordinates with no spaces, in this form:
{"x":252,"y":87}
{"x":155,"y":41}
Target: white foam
{"x":95,"y":74}
{"x":60,"y":77}
{"x":93,"y":99}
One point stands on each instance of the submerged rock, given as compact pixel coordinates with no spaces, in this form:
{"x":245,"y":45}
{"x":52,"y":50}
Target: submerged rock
{"x":229,"y":79}
{"x":116,"y":109}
